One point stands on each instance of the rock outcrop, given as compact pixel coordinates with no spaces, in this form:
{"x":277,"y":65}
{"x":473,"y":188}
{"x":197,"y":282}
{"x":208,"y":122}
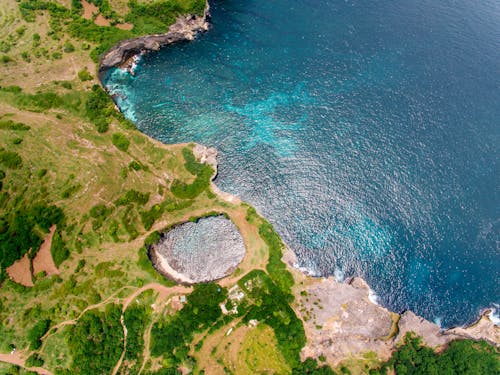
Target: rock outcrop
{"x":341,"y":322}
{"x":185,"y":28}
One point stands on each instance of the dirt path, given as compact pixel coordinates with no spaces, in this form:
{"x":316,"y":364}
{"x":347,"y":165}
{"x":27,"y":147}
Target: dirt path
{"x":18,"y":359}
{"x":54,"y":328}
{"x":163,"y":292}
{"x":120,"y":360}
{"x":43,"y":261}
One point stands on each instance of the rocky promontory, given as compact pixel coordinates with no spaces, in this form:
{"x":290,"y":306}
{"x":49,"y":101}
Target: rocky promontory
{"x":185,"y":28}
{"x":342,"y":321}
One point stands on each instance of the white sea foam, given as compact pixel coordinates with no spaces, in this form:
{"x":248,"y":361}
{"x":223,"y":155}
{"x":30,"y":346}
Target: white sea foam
{"x":494,"y":314}
{"x":438,"y":321}
{"x":339,"y":274}
{"x":372,"y":296}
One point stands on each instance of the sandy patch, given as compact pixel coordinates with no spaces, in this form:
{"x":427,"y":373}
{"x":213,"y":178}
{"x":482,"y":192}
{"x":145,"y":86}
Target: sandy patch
{"x":89,"y":10}
{"x":43,"y":261}
{"x":125,"y":26}
{"x":20,"y":271}
{"x":168,"y":271}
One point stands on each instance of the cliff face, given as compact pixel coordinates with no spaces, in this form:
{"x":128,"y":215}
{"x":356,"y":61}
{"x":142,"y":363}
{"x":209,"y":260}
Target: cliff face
{"x":185,"y":28}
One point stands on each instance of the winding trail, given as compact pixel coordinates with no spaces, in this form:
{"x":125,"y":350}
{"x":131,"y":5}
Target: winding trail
{"x":163,"y":292}
{"x":18,"y":359}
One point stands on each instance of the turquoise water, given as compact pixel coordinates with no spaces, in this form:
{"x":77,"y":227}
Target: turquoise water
{"x":366,"y":131}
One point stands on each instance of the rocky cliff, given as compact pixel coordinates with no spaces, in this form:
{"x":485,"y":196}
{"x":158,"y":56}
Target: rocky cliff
{"x":185,"y":28}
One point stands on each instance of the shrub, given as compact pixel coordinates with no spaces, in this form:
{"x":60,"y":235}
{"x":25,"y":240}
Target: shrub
{"x":84,"y":75}
{"x":10,"y":159}
{"x":68,"y":48}
{"x":6,"y":59}
{"x":58,"y":250}
{"x":11,"y":125}
{"x":133,"y":196}
{"x":153,"y":238}
{"x":34,"y":361}
{"x":26,"y":57}
{"x":36,"y":332}
{"x":120,"y":141}
{"x":66,"y":85}
{"x":21,"y":30}
{"x":149,"y":217}
{"x":12,"y":89}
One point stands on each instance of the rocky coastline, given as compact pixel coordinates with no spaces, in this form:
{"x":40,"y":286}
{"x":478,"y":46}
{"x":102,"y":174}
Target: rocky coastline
{"x":346,"y":322}
{"x":123,"y":53}
{"x":341,"y":319}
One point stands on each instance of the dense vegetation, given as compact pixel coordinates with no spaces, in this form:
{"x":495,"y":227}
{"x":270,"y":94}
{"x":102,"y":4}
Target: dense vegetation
{"x":461,"y":357}
{"x":136,"y":318}
{"x":96,"y":341}
{"x":270,"y":305}
{"x":276,"y":268}
{"x":36,"y":332}
{"x":171,"y":337}
{"x":203,"y":173}
{"x":58,"y":249}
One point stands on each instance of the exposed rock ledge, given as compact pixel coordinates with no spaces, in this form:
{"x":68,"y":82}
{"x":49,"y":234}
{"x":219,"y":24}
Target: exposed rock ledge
{"x":184,"y":28}
{"x":342,"y":322}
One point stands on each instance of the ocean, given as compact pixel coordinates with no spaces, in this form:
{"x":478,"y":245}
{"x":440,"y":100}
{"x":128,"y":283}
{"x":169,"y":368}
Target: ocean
{"x":366,"y":131}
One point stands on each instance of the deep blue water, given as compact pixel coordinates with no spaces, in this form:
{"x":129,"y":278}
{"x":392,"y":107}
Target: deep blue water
{"x":366,"y":131}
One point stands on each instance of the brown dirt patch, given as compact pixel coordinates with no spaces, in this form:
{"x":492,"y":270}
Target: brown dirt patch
{"x":89,"y":10}
{"x":20,"y":271}
{"x":43,"y":261}
{"x":125,"y":26}
{"x":101,"y":21}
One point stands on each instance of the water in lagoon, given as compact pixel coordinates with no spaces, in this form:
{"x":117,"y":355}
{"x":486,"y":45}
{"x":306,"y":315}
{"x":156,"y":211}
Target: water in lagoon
{"x":366,"y":132}
{"x":204,"y":250}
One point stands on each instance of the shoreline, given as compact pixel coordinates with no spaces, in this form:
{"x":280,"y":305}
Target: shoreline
{"x":123,"y":54}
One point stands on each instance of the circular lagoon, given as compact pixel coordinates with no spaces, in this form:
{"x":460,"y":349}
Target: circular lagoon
{"x":208,"y":249}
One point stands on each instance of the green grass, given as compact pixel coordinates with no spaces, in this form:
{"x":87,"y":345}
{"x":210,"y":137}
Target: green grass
{"x":259,"y":353}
